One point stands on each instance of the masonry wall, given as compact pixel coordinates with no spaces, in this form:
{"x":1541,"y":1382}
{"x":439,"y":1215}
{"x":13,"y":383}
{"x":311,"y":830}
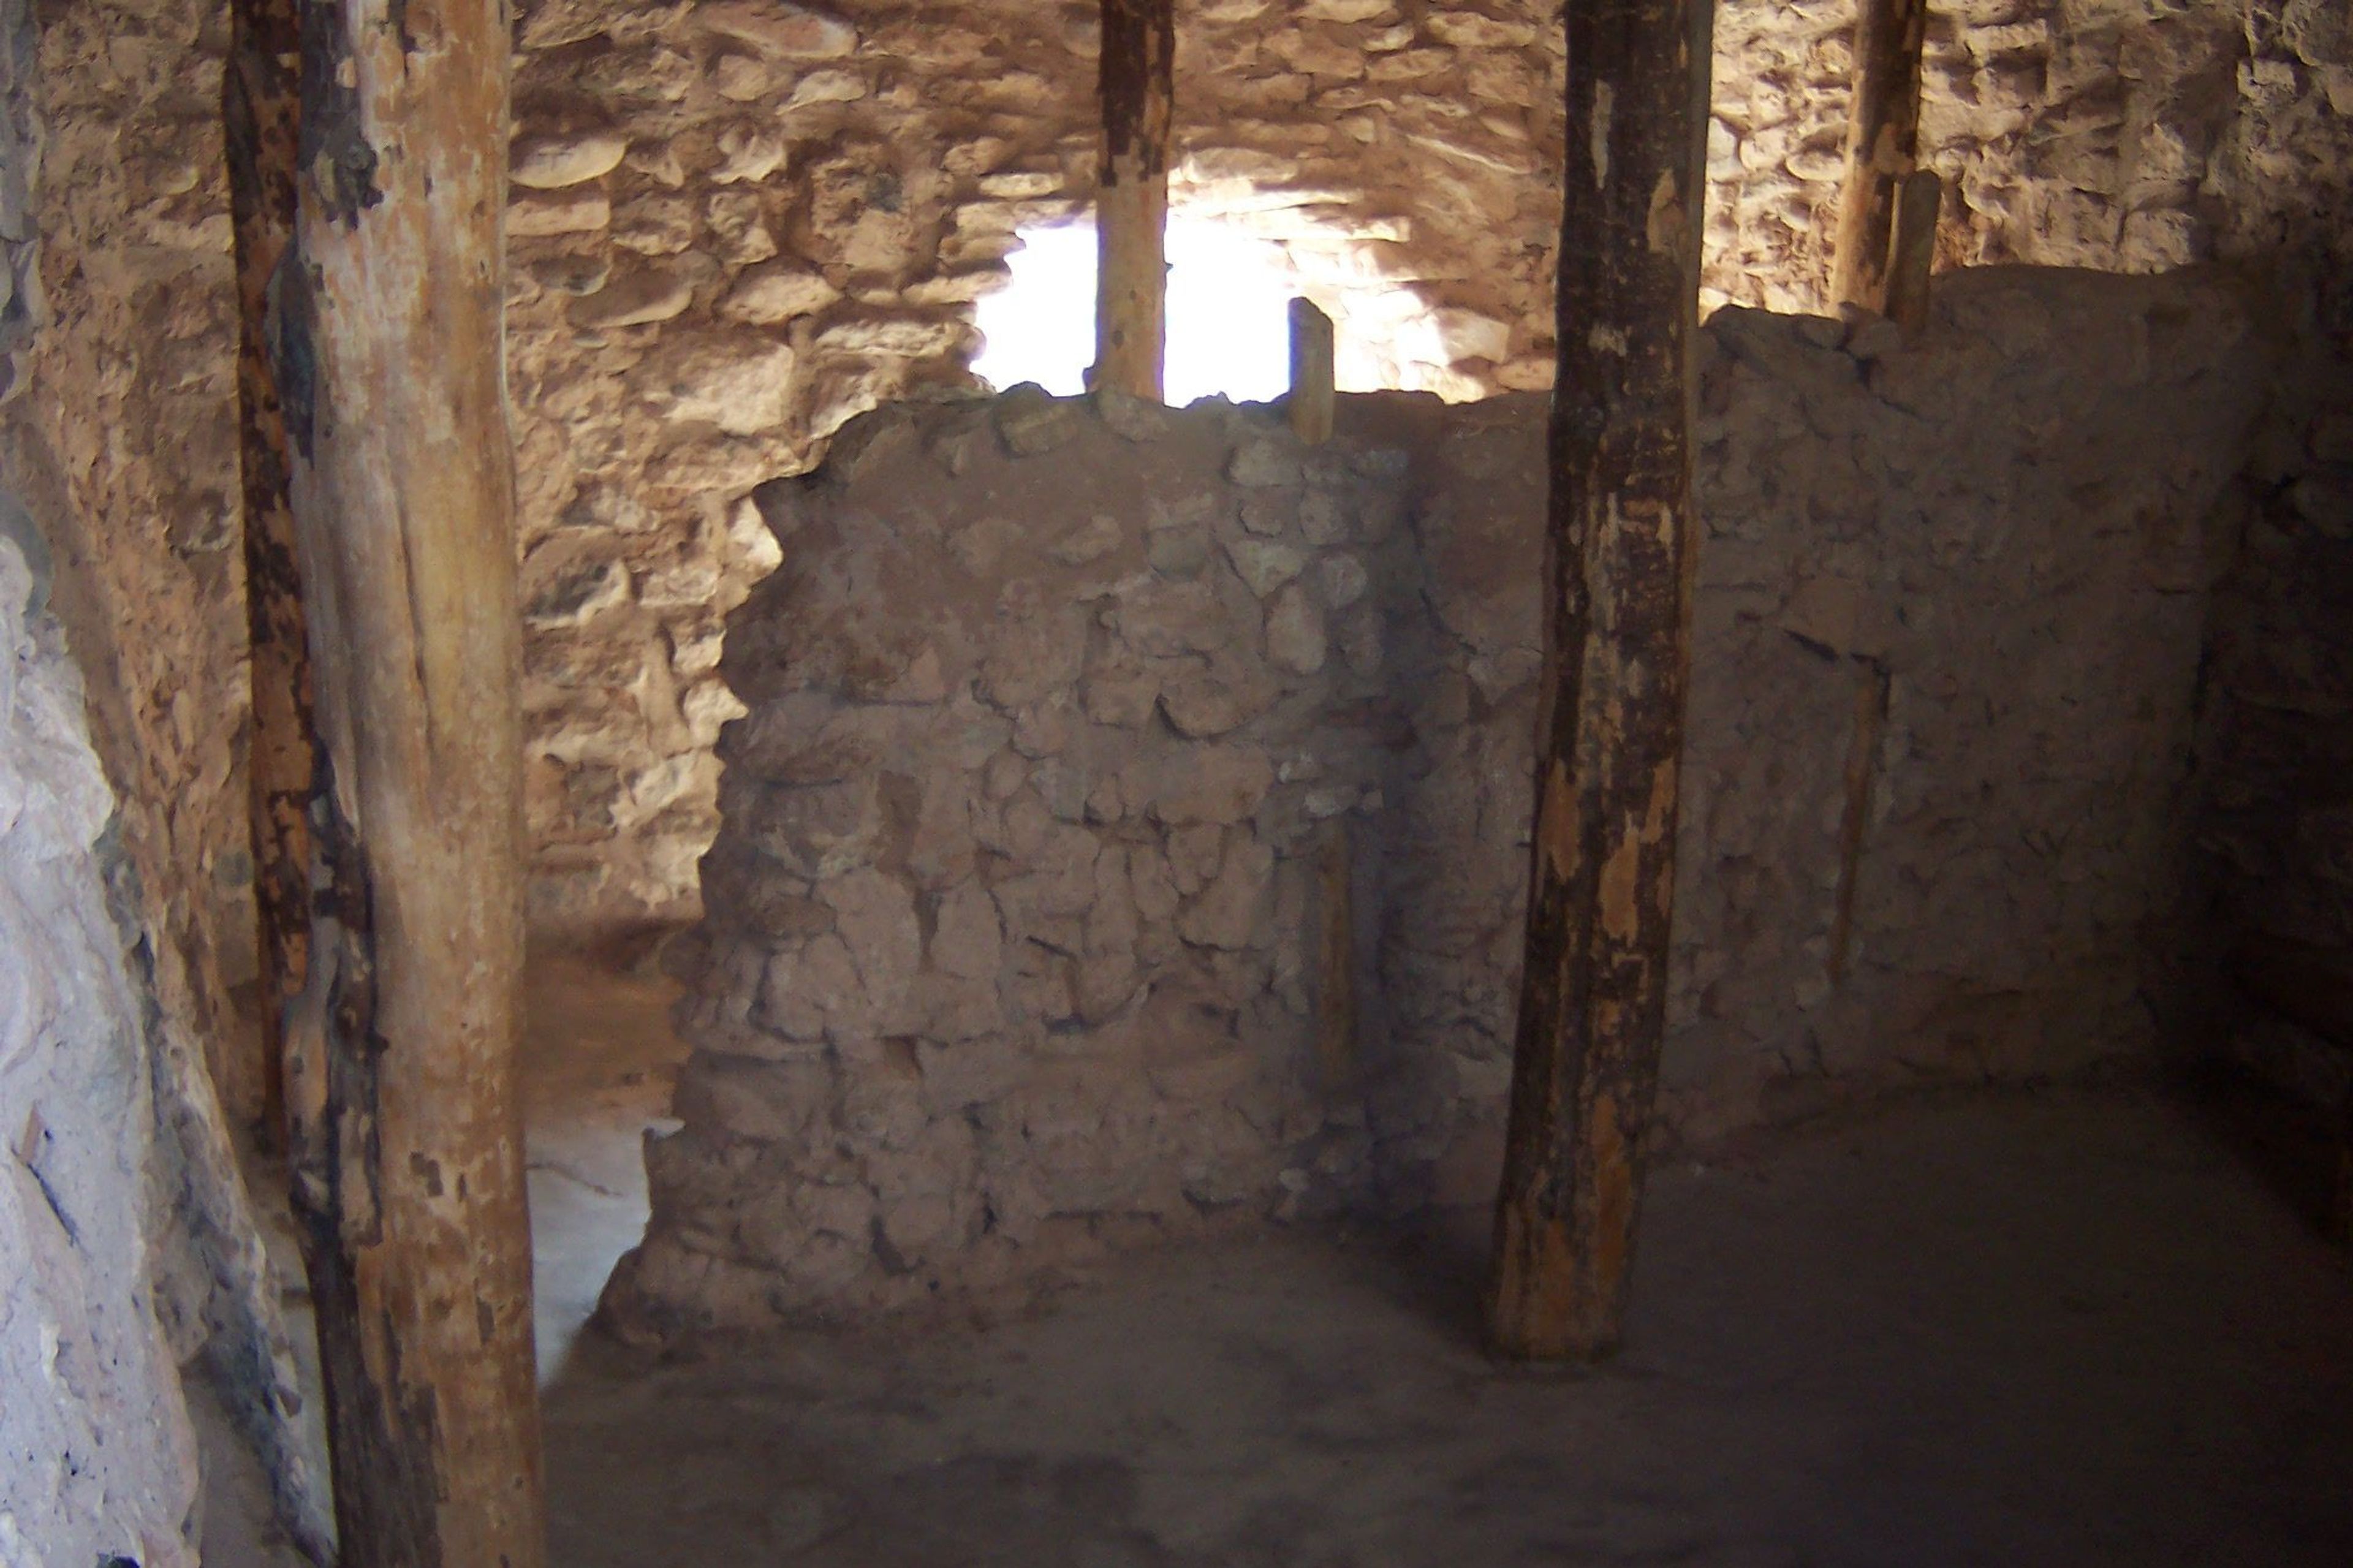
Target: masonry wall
{"x":96,"y":1460}
{"x":1129,"y":828}
{"x":737,"y":222}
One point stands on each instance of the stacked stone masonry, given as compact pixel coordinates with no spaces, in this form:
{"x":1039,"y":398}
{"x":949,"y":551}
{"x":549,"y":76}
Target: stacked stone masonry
{"x":1128,"y":827}
{"x":737,"y":222}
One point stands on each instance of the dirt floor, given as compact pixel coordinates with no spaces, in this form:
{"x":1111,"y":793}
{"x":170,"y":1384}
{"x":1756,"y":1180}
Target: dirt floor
{"x":2065,"y":1328}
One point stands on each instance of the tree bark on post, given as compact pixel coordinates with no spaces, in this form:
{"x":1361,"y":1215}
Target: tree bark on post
{"x":1618,"y":609}
{"x":1138,"y":80}
{"x":259,"y":106}
{"x":1882,"y":146}
{"x":405,"y":1124}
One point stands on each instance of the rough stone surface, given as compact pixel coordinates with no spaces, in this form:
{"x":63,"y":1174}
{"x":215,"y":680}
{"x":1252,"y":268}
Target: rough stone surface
{"x":100,"y":1462}
{"x":1103,"y":1022}
{"x":847,"y":182}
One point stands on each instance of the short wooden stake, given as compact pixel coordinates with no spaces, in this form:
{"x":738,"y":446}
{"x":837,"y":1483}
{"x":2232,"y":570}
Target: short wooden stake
{"x":1310,"y":404}
{"x":1137,"y":81}
{"x":1862,"y":765}
{"x":1912,"y":254}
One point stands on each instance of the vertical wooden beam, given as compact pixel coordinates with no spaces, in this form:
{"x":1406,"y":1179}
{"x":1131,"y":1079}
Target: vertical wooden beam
{"x":1882,"y":143}
{"x":1335,"y":1033}
{"x":1862,"y":765}
{"x":405,"y":1125}
{"x":1617,"y":612}
{"x":258,"y":111}
{"x":1311,"y":351}
{"x":1911,"y":248}
{"x":1137,"y":81}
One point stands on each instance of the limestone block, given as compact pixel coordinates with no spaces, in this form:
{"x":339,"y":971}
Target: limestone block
{"x":826,"y":87}
{"x":1029,"y":657}
{"x":739,"y":226}
{"x":1228,"y":913}
{"x":741,"y":384}
{"x":1263,"y":462}
{"x":1217,"y":696}
{"x":742,"y":79}
{"x":1295,"y":637}
{"x":1264,"y":564}
{"x":744,"y":1098}
{"x":1031,"y":422}
{"x":543,"y":217}
{"x":1341,"y":579}
{"x":552,"y":162}
{"x":1169,"y":619}
{"x":966,"y":935}
{"x":776,"y":27}
{"x":653,"y":225}
{"x":903,"y":335}
{"x":818,"y":830}
{"x":747,"y":155}
{"x":1324,"y":517}
{"x":1216,"y":783}
{"x":634,"y":298}
{"x":874,"y":916}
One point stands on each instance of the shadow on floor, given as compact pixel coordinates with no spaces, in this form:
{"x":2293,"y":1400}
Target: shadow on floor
{"x":2065,"y":1329}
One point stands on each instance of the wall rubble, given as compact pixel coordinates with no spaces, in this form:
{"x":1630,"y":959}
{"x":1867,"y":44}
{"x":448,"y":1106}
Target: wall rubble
{"x":1071,"y":729}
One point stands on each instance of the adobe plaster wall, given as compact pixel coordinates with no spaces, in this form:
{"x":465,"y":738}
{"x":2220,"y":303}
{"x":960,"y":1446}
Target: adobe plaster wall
{"x":1129,"y":829}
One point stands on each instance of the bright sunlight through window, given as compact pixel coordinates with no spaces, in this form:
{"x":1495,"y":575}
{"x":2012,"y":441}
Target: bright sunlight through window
{"x":1229,"y":314}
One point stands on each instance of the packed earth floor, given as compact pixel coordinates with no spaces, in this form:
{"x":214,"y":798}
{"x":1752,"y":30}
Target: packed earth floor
{"x":2073,"y":1327}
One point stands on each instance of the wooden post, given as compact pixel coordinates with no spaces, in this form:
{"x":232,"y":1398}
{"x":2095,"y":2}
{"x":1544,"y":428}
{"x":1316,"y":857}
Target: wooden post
{"x":1138,"y":74}
{"x":258,"y":111}
{"x":1854,"y":820}
{"x":1912,"y":249}
{"x":1618,"y":611}
{"x":1335,"y":1033}
{"x":1312,"y":348}
{"x":1882,"y":142}
{"x":404,"y":1123}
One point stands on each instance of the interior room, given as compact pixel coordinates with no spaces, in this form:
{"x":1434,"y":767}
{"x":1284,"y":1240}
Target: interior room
{"x":1114,"y":785}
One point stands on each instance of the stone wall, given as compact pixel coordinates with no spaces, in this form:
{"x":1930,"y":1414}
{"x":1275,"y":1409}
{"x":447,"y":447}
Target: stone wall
{"x":739,"y":224}
{"x":96,"y":1460}
{"x":128,"y":1246}
{"x":122,"y":443}
{"x":736,"y":222}
{"x":2275,"y":868}
{"x":2130,"y":135}
{"x":1129,"y":825}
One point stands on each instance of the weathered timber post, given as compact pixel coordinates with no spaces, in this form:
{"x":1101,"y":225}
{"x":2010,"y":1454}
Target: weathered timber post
{"x":1138,"y":76}
{"x":259,"y":113}
{"x":404,"y":1120}
{"x":1882,"y":143}
{"x":1618,"y":610}
{"x":1312,"y":352}
{"x":1911,"y":248}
